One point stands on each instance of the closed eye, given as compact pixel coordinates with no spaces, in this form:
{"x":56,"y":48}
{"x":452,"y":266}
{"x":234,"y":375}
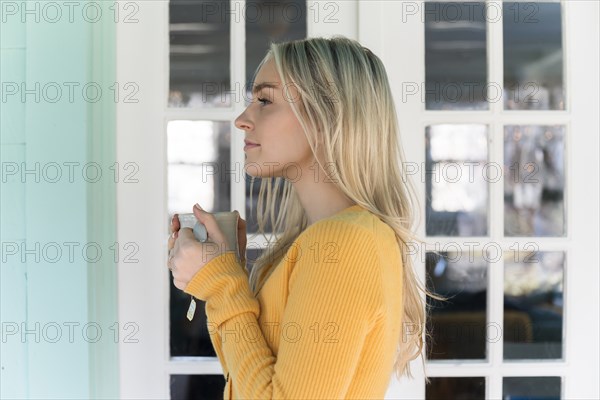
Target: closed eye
{"x":263,"y":100}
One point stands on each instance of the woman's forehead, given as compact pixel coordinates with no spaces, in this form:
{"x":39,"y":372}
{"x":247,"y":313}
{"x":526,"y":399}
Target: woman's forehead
{"x":268,"y":78}
{"x":267,"y":74}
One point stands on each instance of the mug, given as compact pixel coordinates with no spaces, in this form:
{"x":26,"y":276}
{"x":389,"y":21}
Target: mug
{"x":227,"y":221}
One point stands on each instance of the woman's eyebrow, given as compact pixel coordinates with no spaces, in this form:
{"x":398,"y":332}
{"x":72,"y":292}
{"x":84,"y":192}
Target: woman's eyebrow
{"x":263,"y":85}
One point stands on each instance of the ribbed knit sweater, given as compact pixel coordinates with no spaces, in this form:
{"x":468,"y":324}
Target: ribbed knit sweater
{"x":325,"y":324}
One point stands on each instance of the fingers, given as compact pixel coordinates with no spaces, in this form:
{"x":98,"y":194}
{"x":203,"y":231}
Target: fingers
{"x":171,"y":242}
{"x":174,"y":229}
{"x":175,"y":225}
{"x":170,"y":263}
{"x":214,"y":232}
{"x":170,"y":257}
{"x":185,"y":234}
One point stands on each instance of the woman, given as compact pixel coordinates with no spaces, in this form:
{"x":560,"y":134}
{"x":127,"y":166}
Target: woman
{"x":333,"y":307}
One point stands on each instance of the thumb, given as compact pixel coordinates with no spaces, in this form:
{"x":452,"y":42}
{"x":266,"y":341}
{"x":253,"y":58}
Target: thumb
{"x":212,"y":228}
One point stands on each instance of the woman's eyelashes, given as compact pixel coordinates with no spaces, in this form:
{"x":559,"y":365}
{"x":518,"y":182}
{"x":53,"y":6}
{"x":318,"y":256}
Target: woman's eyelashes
{"x":261,"y":100}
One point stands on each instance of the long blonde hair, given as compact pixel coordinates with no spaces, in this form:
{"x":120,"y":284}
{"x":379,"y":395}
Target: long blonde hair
{"x":345,"y":103}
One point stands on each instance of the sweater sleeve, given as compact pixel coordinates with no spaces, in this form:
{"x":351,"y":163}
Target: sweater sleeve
{"x":228,"y":272}
{"x":334,"y":298}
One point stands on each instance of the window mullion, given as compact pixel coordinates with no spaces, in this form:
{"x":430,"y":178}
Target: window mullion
{"x":495,"y":323}
{"x":238,"y":76}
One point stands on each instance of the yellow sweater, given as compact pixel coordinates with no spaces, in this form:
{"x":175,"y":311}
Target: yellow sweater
{"x":325,"y":324}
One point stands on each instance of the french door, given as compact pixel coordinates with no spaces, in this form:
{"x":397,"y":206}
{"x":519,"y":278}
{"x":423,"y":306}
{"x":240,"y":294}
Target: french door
{"x":498,"y":117}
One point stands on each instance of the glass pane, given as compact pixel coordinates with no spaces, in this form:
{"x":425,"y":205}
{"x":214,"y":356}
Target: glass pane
{"x":531,"y":388}
{"x":456,"y":180}
{"x":458,"y":325}
{"x":269,"y":21}
{"x":533,"y":304}
{"x":198,"y":171}
{"x":205,"y":387}
{"x":199,"y":53}
{"x":199,"y":166}
{"x":534,"y":180}
{"x":533,"y":57}
{"x":455,"y":56}
{"x":187,"y":338}
{"x":455,"y":388}
{"x":251,"y":204}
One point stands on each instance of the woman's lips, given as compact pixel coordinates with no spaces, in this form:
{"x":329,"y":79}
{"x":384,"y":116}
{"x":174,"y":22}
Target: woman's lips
{"x":250,"y":146}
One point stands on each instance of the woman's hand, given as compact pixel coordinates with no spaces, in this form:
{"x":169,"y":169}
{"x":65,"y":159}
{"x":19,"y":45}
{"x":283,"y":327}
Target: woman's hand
{"x":187,"y":255}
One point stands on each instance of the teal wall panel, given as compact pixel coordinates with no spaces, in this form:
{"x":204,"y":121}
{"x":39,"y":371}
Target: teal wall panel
{"x":56,"y":134}
{"x":60,"y":297}
{"x":12,"y":112}
{"x":13,"y":279}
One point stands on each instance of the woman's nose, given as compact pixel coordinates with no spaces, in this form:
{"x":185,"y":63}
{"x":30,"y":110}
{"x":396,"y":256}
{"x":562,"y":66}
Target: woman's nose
{"x":241,"y":122}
